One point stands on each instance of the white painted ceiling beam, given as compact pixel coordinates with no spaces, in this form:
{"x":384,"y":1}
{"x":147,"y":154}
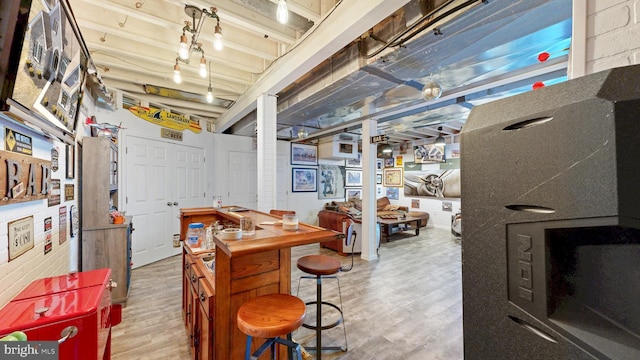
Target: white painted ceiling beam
{"x":348,"y":21}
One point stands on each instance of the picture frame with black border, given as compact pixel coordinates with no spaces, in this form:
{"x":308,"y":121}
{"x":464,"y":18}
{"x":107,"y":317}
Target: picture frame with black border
{"x":304,"y":179}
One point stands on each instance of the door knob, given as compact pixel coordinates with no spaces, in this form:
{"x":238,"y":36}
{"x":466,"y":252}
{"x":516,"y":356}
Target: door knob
{"x":169,"y":203}
{"x":175,"y":203}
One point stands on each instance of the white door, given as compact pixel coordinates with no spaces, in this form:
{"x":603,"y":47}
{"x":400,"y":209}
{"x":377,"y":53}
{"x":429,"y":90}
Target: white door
{"x":241,"y":179}
{"x":160,"y":179}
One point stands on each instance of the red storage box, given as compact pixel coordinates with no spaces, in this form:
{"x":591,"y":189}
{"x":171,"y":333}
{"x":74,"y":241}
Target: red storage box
{"x":80,"y":301}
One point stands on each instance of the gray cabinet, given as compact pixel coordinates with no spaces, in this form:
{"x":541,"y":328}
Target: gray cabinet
{"x":104,"y":244}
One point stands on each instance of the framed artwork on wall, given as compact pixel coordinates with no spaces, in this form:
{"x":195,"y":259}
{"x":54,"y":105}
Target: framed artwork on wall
{"x":304,"y":179}
{"x":392,"y":177}
{"x":302,"y":154}
{"x":378,"y":178}
{"x":357,"y":162}
{"x":52,"y":69}
{"x":432,"y":153}
{"x":353,"y":178}
{"x":330,"y":181}
{"x":354,"y":193}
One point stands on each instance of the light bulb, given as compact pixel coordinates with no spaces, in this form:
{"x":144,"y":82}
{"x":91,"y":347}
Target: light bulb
{"x":283,"y":13}
{"x":183,"y":51}
{"x":217,"y":38}
{"x":203,"y":67}
{"x":210,"y":95}
{"x":431,"y":90}
{"x":176,"y":74}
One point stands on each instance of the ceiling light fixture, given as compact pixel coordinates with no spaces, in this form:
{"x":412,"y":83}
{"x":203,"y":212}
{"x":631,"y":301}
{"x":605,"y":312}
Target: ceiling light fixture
{"x":209,"y":90}
{"x":440,"y":139}
{"x":282,"y":14}
{"x":177,"y":78}
{"x":431,"y":90}
{"x":186,"y":48}
{"x":302,"y":133}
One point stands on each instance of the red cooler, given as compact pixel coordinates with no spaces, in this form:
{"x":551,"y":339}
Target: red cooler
{"x":74,"y":309}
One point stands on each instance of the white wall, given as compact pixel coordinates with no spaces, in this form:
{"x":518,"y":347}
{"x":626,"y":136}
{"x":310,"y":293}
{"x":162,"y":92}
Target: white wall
{"x":611,"y":37}
{"x":34,"y":264}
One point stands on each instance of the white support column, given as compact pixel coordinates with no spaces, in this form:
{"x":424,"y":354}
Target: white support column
{"x":368,"y":236}
{"x":267,"y":137}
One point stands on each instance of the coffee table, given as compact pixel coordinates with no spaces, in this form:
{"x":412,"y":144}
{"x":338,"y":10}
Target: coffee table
{"x":390,"y":226}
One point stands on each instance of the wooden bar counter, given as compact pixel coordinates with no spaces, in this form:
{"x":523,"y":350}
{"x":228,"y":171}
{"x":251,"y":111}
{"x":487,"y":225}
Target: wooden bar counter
{"x":252,"y":266}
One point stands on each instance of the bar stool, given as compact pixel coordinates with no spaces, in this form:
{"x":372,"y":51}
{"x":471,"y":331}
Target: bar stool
{"x":271,"y":316}
{"x":325,"y":267}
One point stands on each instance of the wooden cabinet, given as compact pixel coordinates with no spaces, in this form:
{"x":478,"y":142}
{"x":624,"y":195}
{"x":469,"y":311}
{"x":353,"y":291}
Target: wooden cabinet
{"x":104,"y":244}
{"x":198,"y":305}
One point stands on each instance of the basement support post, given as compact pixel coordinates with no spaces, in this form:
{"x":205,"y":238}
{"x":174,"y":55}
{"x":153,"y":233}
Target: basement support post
{"x":267,"y":145}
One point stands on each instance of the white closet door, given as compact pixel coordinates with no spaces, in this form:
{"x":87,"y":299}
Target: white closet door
{"x":160,"y":178}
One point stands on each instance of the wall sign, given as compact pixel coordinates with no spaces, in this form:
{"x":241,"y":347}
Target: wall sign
{"x":23,"y":178}
{"x":17,"y":142}
{"x":20,"y":236}
{"x":48,"y":236}
{"x":54,"y":193}
{"x":54,"y":159}
{"x":166,"y":119}
{"x":75,"y":220}
{"x":171,"y":134}
{"x":68,"y":192}
{"x":62,"y":227}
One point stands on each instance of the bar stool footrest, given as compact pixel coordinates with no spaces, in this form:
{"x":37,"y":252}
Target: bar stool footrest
{"x":341,"y":348}
{"x":325,"y":327}
{"x":277,"y":340}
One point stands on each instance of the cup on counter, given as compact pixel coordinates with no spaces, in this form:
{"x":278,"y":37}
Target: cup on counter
{"x":176,"y":240}
{"x":247,"y":226}
{"x":290,"y":222}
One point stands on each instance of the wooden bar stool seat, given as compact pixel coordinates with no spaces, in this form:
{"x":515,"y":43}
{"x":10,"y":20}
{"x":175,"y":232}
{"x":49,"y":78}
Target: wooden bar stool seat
{"x":271,"y":317}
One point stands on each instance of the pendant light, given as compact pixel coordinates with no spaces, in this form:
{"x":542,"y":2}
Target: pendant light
{"x":282,"y":14}
{"x":210,"y":90}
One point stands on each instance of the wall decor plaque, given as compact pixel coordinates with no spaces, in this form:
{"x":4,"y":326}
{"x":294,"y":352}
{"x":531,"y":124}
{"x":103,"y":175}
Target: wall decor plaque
{"x":62,"y":226}
{"x":20,"y":236}
{"x":23,"y":178}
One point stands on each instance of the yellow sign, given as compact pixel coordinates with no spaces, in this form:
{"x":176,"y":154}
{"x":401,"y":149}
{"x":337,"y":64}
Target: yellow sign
{"x":166,"y":119}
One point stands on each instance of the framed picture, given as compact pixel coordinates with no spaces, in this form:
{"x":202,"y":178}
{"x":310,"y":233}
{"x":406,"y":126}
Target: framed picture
{"x":378,"y":178}
{"x":393,"y":177}
{"x":357,"y":162}
{"x":388,"y":162}
{"x":330,"y":182}
{"x":393,"y":193}
{"x":399,"y":161}
{"x":379,"y":164}
{"x":302,"y":154}
{"x":353,"y":178}
{"x":355,"y":193}
{"x":70,"y":163}
{"x":53,"y":64}
{"x":304,"y":179}
{"x":432,"y":153}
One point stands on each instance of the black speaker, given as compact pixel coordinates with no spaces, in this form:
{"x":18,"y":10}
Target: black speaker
{"x":551,"y":205}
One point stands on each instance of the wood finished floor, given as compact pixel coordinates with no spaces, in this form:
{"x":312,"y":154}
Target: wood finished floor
{"x":407,"y":305}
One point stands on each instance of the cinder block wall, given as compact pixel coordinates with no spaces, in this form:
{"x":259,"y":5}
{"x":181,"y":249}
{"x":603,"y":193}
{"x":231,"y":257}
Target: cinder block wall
{"x":612,"y":33}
